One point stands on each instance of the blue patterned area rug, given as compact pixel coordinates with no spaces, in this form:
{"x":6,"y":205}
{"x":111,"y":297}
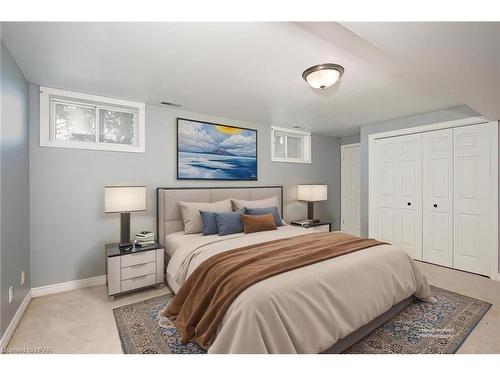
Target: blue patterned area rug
{"x":421,"y":328}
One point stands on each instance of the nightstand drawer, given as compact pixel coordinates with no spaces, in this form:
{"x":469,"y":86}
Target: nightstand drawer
{"x":138,"y":270}
{"x":138,"y":282}
{"x":139,"y":258}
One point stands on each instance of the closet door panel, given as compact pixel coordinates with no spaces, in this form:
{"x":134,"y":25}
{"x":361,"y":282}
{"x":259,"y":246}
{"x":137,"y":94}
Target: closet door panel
{"x":384,"y":181}
{"x":437,"y":176}
{"x":409,"y":193}
{"x":471,"y":198}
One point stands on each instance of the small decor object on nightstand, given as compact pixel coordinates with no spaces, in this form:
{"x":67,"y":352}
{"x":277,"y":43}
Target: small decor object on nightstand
{"x":145,"y":238}
{"x":124,"y":200}
{"x":311,"y":194}
{"x":135,"y":269}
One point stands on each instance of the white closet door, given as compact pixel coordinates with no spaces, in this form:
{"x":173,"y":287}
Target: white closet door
{"x":350,"y":192}
{"x":471,"y":198}
{"x":409,"y":193}
{"x":437,"y":206}
{"x":398,"y":192}
{"x":385,"y":200}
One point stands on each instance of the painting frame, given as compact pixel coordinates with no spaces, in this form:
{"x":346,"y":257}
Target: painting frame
{"x":201,"y":178}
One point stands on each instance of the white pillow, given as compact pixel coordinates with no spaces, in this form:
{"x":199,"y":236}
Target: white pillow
{"x":239,"y":204}
{"x":191,"y":213}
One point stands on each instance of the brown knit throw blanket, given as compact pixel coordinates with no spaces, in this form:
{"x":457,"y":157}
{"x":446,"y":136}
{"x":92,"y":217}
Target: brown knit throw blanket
{"x":202,"y":301}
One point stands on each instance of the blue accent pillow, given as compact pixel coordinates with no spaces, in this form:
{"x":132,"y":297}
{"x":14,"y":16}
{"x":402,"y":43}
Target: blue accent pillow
{"x":228,"y":222}
{"x":266,"y":210}
{"x":209,"y":223}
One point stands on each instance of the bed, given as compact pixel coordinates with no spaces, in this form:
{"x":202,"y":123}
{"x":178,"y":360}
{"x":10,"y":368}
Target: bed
{"x":320,"y":308}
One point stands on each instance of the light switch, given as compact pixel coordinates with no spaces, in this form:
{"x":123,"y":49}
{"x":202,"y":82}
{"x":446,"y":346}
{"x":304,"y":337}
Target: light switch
{"x":11,"y":294}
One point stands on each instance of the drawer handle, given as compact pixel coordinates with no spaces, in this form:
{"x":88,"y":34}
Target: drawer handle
{"x":139,"y":265}
{"x":409,"y":203}
{"x":435,"y":205}
{"x":139,"y":277}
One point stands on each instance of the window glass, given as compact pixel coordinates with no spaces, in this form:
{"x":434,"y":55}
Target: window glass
{"x":279,"y":146}
{"x":74,"y":123}
{"x":116,"y":127}
{"x":290,"y":145}
{"x":294,"y":147}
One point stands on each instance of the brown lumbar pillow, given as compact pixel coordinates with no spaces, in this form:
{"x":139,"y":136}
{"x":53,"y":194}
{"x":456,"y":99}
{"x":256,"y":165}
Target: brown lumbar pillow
{"x":258,"y":223}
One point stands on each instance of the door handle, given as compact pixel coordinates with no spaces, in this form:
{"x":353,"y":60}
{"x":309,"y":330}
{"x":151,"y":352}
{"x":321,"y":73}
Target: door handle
{"x":435,"y":205}
{"x":409,"y":203}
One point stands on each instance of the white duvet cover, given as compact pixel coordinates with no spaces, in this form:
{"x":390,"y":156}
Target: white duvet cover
{"x":308,"y":309}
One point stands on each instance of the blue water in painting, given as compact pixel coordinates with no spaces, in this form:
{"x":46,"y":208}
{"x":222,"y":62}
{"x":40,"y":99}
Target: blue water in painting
{"x":209,"y":166}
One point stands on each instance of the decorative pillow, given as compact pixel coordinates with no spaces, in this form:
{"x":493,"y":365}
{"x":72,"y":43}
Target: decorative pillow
{"x":228,"y":223}
{"x":266,"y":210}
{"x":239,"y":204}
{"x":191,"y":213}
{"x":209,"y":223}
{"x":258,"y":223}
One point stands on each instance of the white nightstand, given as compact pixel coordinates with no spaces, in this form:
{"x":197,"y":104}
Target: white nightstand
{"x":320,"y":226}
{"x":131,"y":270}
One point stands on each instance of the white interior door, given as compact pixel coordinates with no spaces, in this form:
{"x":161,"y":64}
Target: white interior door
{"x":472,"y":198}
{"x":409,"y":193}
{"x":350,"y":189}
{"x":398,"y":192}
{"x":437,"y":204}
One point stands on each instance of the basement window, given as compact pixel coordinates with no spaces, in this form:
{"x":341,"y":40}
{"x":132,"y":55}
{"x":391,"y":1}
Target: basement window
{"x":290,"y":145}
{"x":75,"y":120}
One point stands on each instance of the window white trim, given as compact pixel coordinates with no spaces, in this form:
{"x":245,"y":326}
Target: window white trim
{"x":86,"y":100}
{"x":306,"y":145}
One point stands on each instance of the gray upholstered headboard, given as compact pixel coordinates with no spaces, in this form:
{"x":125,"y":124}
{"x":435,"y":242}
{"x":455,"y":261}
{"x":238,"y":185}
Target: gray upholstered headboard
{"x":169,"y":217}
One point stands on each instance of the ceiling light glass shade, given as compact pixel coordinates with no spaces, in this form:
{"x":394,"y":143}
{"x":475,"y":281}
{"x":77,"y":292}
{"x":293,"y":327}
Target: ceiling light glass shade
{"x":323,"y":76}
{"x":312,"y":193}
{"x":124,"y":198}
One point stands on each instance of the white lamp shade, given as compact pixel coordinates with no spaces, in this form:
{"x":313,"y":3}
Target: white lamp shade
{"x":322,"y":79}
{"x":312,"y":193}
{"x":124,"y":198}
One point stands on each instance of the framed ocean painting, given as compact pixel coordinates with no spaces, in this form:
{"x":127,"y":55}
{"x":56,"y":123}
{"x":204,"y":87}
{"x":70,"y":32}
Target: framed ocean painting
{"x":207,"y":151}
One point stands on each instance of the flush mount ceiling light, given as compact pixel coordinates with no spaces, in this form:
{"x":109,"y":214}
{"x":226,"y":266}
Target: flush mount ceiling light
{"x":323,"y":76}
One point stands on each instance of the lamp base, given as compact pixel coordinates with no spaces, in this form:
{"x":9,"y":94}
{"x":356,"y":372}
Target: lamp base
{"x":310,"y":212}
{"x":125,"y":230}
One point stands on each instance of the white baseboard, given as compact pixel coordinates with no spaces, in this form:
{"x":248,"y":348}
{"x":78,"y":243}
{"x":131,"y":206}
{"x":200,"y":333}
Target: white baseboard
{"x":67,"y":286}
{"x":4,"y":340}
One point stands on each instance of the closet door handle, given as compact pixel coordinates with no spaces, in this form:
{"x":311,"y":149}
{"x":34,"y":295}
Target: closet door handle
{"x":409,"y":203}
{"x":435,"y":205}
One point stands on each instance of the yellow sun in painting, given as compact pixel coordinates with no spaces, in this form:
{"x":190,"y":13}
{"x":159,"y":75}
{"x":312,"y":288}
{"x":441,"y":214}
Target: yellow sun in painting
{"x":227,"y":129}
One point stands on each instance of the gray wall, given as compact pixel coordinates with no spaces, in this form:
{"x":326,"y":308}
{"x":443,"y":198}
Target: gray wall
{"x":350,"y":139}
{"x":68,"y":225}
{"x":14,"y":250}
{"x":406,"y":122}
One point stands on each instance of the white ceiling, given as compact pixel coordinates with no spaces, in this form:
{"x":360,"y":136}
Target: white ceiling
{"x":252,"y":71}
{"x":463,"y":57}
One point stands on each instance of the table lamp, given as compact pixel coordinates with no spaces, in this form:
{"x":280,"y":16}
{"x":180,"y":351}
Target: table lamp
{"x":311,"y":194}
{"x":124,"y":200}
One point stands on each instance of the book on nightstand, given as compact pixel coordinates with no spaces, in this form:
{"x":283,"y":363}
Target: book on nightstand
{"x":145,"y":238}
